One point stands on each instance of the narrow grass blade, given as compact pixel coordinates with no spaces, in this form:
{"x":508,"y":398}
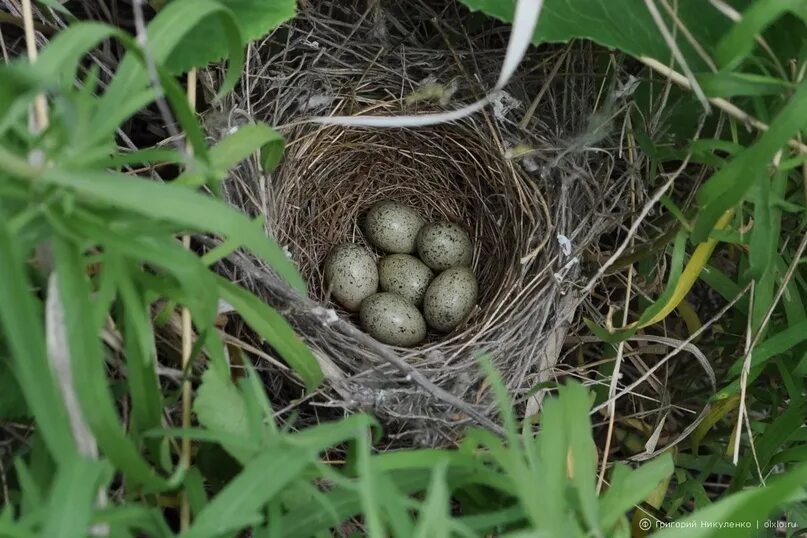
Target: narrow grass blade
{"x":21,"y":319}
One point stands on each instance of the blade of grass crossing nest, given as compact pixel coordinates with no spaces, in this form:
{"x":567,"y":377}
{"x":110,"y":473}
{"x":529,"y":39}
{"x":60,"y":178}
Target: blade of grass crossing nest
{"x":524,"y":22}
{"x":187,"y":346}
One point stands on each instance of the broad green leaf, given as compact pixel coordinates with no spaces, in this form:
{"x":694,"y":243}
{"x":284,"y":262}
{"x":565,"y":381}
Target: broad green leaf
{"x":61,"y":56}
{"x":165,"y":32}
{"x":784,"y":427}
{"x":149,"y":521}
{"x":622,"y":24}
{"x":21,"y":320}
{"x":72,"y":498}
{"x":774,"y":345}
{"x":274,"y":329}
{"x":580,"y":455}
{"x":244,"y":142}
{"x":144,"y":388}
{"x":220,"y":407}
{"x":728,"y":84}
{"x":342,"y":502}
{"x":238,"y":146}
{"x":204,"y":43}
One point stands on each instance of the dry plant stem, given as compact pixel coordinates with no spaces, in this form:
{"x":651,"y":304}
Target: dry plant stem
{"x":154,"y":78}
{"x":757,"y":336}
{"x":40,"y":104}
{"x":621,"y":346}
{"x":187,"y":346}
{"x":676,"y":52}
{"x":724,"y":105}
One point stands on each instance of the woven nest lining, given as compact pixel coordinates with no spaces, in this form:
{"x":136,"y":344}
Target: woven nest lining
{"x":455,"y":172}
{"x":512,"y":208}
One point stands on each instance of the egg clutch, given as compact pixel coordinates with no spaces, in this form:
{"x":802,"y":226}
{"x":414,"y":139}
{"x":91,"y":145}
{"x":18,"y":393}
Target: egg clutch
{"x":425,"y":276}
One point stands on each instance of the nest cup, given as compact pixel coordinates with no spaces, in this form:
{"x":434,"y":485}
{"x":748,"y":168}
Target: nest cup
{"x":332,"y":176}
{"x":345,"y":61}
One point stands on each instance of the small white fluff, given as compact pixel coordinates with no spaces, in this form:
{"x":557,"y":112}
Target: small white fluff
{"x":565,"y":244}
{"x":326,"y":315}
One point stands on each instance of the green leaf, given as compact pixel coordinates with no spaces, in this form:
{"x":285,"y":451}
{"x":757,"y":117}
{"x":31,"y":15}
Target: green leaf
{"x":204,"y":43}
{"x":740,"y":39}
{"x":274,"y":329}
{"x":628,"y":488}
{"x":238,"y":504}
{"x":730,"y":184}
{"x":165,"y":33}
{"x":238,"y":146}
{"x":72,"y":498}
{"x":175,"y":204}
{"x":89,"y":373}
{"x":21,"y":320}
{"x":149,"y":521}
{"x":62,"y":55}
{"x":435,"y":513}
{"x":727,"y":84}
{"x":622,"y":24}
{"x":776,"y":344}
{"x":220,"y":407}
{"x":749,"y":507}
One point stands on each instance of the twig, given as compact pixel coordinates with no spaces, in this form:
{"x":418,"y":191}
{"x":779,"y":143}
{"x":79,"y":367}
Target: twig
{"x":187,"y":347}
{"x":621,"y":347}
{"x":154,"y":78}
{"x":40,"y":117}
{"x":676,"y":52}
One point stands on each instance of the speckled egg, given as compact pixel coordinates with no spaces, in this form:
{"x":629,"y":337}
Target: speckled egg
{"x":442,"y":245}
{"x":405,"y":275}
{"x":351,"y":275}
{"x":450,"y":298}
{"x":391,"y":319}
{"x":393,"y":227}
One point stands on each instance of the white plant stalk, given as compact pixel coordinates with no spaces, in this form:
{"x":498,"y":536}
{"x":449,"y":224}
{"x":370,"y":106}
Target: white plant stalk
{"x":524,"y":23}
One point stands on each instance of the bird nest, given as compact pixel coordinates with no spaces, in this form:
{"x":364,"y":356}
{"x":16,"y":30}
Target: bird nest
{"x":518,"y":176}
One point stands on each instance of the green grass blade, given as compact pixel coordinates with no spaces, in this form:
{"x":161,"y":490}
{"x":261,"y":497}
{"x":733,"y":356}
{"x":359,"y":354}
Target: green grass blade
{"x":749,"y":507}
{"x":89,"y":373}
{"x":730,"y":184}
{"x":240,"y":502}
{"x":21,"y":319}
{"x":76,"y":482}
{"x":174,"y":204}
{"x":267,"y":322}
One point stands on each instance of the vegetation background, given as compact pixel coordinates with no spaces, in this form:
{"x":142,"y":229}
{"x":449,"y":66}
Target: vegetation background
{"x":92,"y":264}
